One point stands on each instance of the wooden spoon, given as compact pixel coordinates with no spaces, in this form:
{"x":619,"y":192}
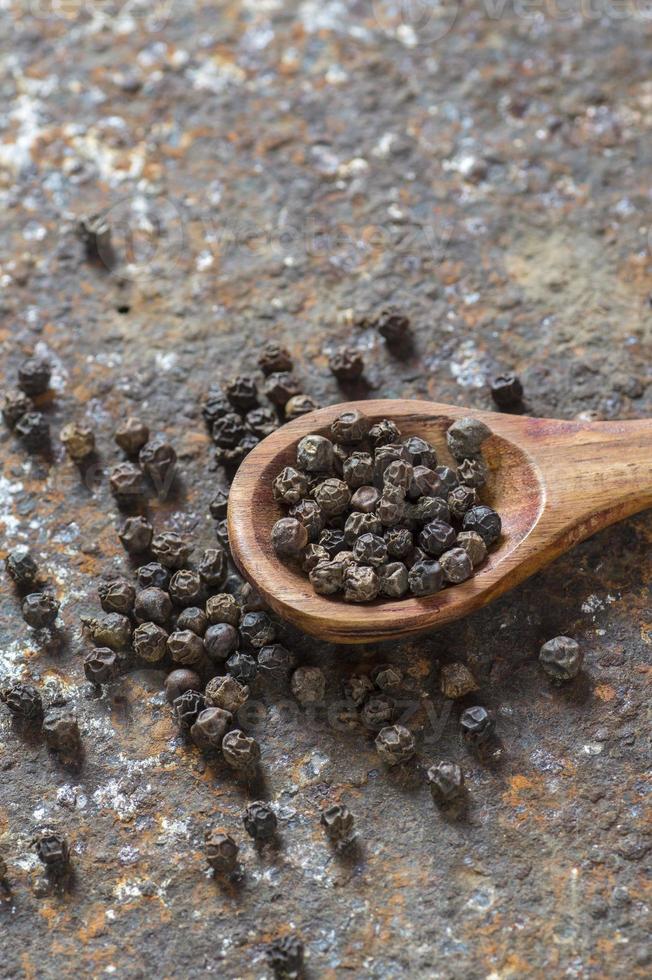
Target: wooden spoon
{"x":554,"y":483}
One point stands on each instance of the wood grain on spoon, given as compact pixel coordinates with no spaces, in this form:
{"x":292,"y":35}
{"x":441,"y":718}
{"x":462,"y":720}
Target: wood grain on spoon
{"x":554,"y":483}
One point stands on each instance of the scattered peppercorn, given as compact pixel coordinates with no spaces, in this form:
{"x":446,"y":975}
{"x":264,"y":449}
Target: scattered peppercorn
{"x":242,"y":666}
{"x":34,"y":376}
{"x":215,"y":407}
{"x":192,"y":618}
{"x":308,"y":685}
{"x":240,"y":751}
{"x":33,"y":431}
{"x":150,"y":642}
{"x":257,"y":629}
{"x":285,"y":957}
{"x":226,"y":692}
{"x":61,"y":733}
{"x":186,"y":648}
{"x":456,"y":681}
{"x":477,"y":725}
{"x":222,"y":534}
{"x":219,"y":504}
{"x":395,"y":744}
{"x":186,"y":708}
{"x":260,"y":821}
{"x":131,"y":436}
{"x":136,"y":535}
{"x":153,"y":606}
{"x":221,"y":852}
{"x":446,"y":781}
{"x":117,"y":596}
{"x":280,"y":387}
{"x":242,"y":392}
{"x":275,"y":662}
{"x":387,"y":677}
{"x":220,"y":641}
{"x":126,"y":483}
{"x":153,"y":575}
{"x":209,"y":729}
{"x":337,"y":820}
{"x":392,"y":324}
{"x":346,"y":364}
{"x":78,"y":440}
{"x":14,"y":406}
{"x":23,"y":700}
{"x":185,"y":587}
{"x":21,"y":568}
{"x":507,"y":391}
{"x":261,"y":421}
{"x":561,"y":658}
{"x":112,"y":630}
{"x":274,"y":359}
{"x":170,"y":549}
{"x":377,"y":712}
{"x":299,"y":405}
{"x":40,"y":610}
{"x":101,"y":665}
{"x":158,"y":461}
{"x":181,"y":680}
{"x":228,"y":430}
{"x":52,"y":850}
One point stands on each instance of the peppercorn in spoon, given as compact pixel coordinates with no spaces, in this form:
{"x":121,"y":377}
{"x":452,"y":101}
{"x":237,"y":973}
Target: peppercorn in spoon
{"x":553,"y":483}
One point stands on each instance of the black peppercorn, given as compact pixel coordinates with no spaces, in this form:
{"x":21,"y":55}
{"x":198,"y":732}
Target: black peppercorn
{"x":34,"y":376}
{"x":274,"y":359}
{"x":181,"y":680}
{"x":242,"y":392}
{"x":358,"y":470}
{"x":228,"y":430}
{"x":209,"y":729}
{"x":429,"y":509}
{"x":240,"y":751}
{"x":112,"y":630}
{"x":257,"y":629}
{"x":392,"y":324}
{"x":220,"y":641}
{"x":358,"y":524}
{"x":383,"y":433}
{"x":477,"y":725}
{"x":399,"y":475}
{"x":446,"y":781}
{"x":158,"y":460}
{"x":561,"y":658}
{"x":126,"y":483}
{"x":332,"y":496}
{"x":465,"y":437}
{"x":242,"y":666}
{"x":447,"y":477}
{"x":357,"y":688}
{"x":21,"y":568}
{"x":285,"y":957}
{"x":222,"y":534}
{"x":315,"y":454}
{"x":391,"y":506}
{"x":337,"y":820}
{"x":153,"y":575}
{"x":425,"y":578}
{"x":186,"y":648}
{"x":223,"y":608}
{"x":40,"y":610}
{"x":275,"y":662}
{"x":377,"y":712}
{"x":186,"y":709}
{"x":384,"y":456}
{"x":33,"y":431}
{"x":136,"y":535}
{"x":219,"y":504}
{"x":23,"y":700}
{"x":365,"y":500}
{"x":346,"y":364}
{"x":131,"y":436}
{"x":52,"y":850}
{"x":456,"y":681}
{"x":101,"y":666}
{"x":14,"y":406}
{"x":350,"y":427}
{"x":507,"y":391}
{"x":437,"y":537}
{"x":333,"y":542}
{"x":153,"y":606}
{"x":456,"y":566}
{"x":361,"y":584}
{"x":461,"y":500}
{"x":420,"y":452}
{"x":117,"y":596}
{"x":170,"y":549}
{"x":395,"y":744}
{"x":280,"y":387}
{"x":261,"y":422}
{"x":393,"y":579}
{"x":289,"y":537}
{"x":290,"y":486}
{"x":192,"y":618}
{"x":227,"y":693}
{"x":299,"y":405}
{"x":370,"y":549}
{"x":150,"y":642}
{"x":485,"y":522}
{"x":215,"y":407}
{"x":309,"y":513}
{"x":308,"y":685}
{"x":61,"y":733}
{"x":94,"y":232}
{"x":221,"y":852}
{"x":186,"y":586}
{"x":78,"y":440}
{"x":473,"y":472}
{"x":260,"y":821}
{"x":425,"y":482}
{"x":399,"y":542}
{"x":315,"y":554}
{"x":474,"y":546}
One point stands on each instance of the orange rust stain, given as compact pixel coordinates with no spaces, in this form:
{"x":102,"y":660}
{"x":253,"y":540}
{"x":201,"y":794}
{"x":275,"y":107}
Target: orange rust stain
{"x":28,"y":967}
{"x":605,"y":692}
{"x":95,"y":925}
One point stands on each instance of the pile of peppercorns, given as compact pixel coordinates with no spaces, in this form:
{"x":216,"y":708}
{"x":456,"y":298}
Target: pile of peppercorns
{"x":19,"y":411}
{"x":373,"y":514}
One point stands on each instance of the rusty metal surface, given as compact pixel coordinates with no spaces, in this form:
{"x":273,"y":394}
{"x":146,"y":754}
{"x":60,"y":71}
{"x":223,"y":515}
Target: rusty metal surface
{"x":273,"y":170}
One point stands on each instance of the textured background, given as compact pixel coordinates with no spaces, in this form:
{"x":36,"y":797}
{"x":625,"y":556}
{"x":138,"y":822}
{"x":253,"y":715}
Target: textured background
{"x":277,"y":170}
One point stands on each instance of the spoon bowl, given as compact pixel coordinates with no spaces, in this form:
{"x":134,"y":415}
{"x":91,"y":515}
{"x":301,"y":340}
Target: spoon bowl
{"x":553,"y":483}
